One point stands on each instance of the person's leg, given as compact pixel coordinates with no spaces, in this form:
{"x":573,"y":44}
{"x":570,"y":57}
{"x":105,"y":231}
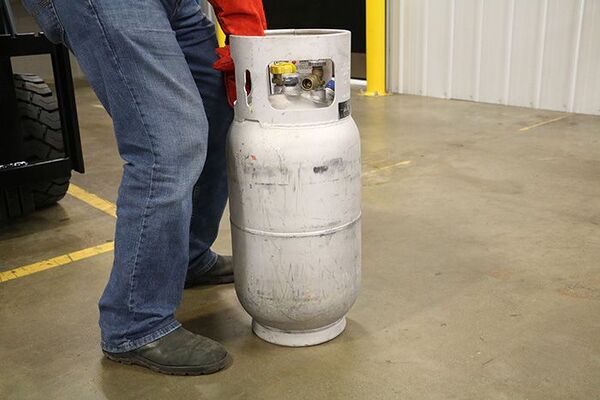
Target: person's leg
{"x":197,"y":39}
{"x":130,"y":53}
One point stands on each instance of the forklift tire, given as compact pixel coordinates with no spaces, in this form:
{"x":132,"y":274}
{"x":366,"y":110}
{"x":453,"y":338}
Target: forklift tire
{"x":42,"y":135}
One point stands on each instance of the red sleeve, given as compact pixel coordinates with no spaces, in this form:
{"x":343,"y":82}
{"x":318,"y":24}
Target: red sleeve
{"x":236,"y":17}
{"x":240,"y":17}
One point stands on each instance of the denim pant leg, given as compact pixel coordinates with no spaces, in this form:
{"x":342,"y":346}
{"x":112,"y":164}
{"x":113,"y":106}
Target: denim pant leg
{"x":196,"y":36}
{"x":132,"y":58}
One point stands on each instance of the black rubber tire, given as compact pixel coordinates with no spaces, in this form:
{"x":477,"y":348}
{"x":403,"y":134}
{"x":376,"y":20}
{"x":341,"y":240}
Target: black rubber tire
{"x":42,"y":134}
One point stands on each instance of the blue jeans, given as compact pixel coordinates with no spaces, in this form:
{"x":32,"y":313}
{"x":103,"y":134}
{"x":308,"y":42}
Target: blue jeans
{"x":149,"y":62}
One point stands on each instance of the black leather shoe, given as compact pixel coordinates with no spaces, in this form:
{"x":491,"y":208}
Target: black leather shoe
{"x":181,"y":352}
{"x":221,"y":272}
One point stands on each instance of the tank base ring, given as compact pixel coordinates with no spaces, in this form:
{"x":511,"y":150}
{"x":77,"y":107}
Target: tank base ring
{"x":299,"y":338}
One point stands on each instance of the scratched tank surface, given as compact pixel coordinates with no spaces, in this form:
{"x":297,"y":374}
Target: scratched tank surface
{"x":295,"y":184}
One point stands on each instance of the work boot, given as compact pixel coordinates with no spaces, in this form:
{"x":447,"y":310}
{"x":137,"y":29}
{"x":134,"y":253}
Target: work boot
{"x":181,"y":352}
{"x":221,"y":272}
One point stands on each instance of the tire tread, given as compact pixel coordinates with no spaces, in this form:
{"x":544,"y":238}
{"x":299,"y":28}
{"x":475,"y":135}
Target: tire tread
{"x":42,"y":140}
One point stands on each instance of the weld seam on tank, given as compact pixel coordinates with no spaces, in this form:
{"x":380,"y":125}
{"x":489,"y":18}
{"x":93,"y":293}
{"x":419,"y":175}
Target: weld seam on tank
{"x":324,"y":232}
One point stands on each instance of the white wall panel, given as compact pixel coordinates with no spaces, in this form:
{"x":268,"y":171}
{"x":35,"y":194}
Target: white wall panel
{"x":529,"y":29}
{"x":495,"y":50}
{"x":587,"y":89}
{"x":534,"y":53}
{"x":436,"y":47}
{"x":467,"y":49}
{"x":413,"y":46}
{"x":561,"y":33}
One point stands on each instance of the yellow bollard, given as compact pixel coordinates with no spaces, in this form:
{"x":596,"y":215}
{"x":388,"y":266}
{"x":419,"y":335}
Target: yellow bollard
{"x":375,"y":48}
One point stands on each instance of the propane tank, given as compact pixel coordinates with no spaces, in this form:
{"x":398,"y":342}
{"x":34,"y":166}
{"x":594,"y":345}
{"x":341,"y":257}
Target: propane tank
{"x":294,"y":171}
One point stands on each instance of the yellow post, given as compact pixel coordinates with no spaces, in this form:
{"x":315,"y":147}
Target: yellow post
{"x":220,"y":35}
{"x":375,"y":48}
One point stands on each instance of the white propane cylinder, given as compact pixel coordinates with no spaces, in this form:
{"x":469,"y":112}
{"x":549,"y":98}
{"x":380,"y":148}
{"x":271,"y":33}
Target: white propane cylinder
{"x":294,"y":189}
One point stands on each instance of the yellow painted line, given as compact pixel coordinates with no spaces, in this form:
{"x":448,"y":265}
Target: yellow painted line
{"x":56,"y":262}
{"x":543,"y":123}
{"x":90,"y":199}
{"x":93,"y":200}
{"x":379,"y":169}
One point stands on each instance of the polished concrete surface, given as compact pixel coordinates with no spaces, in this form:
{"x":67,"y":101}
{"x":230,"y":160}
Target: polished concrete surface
{"x":481,"y":272}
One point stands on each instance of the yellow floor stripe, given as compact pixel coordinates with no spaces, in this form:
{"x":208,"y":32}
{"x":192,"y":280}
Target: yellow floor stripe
{"x":379,"y":169}
{"x":90,"y":199}
{"x":543,"y":123}
{"x":56,"y":262}
{"x":93,"y":200}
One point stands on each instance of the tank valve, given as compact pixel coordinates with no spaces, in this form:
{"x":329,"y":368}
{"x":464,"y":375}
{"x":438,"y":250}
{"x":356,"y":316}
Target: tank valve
{"x":284,"y":73}
{"x":314,"y":80}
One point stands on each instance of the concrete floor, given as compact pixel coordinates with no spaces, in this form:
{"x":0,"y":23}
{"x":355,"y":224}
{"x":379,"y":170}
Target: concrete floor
{"x":481,"y":262}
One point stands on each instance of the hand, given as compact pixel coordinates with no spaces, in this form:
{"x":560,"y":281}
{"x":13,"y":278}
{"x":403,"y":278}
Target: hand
{"x":236,"y":17}
{"x":225,"y":65}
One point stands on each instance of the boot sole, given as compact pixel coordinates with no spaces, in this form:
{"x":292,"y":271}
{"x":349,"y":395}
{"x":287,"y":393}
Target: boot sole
{"x":192,"y":370}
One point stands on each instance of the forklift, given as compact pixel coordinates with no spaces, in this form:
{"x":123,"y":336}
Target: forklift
{"x":39,"y":133}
